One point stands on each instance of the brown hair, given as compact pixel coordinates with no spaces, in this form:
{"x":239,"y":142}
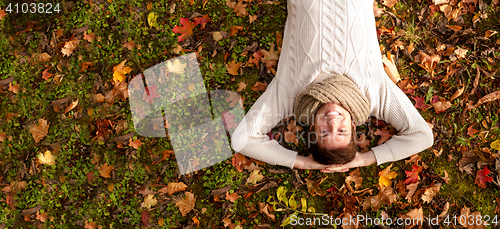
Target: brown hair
{"x":336,"y":156}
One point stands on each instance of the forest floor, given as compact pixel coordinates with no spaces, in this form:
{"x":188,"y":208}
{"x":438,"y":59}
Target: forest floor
{"x":70,"y":155}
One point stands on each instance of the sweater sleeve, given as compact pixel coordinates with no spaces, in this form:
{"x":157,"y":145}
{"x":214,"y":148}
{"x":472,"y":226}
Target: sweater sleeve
{"x":250,"y":137}
{"x":414,"y":134}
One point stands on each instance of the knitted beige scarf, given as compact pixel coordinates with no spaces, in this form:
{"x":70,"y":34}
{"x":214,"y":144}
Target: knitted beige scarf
{"x":338,"y":89}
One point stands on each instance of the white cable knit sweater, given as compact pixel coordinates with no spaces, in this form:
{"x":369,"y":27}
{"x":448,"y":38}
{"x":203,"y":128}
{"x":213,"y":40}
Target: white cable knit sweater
{"x":322,"y":37}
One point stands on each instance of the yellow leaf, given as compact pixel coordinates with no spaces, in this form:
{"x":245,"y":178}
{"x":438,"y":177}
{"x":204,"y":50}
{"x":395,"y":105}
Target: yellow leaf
{"x":255,"y":177}
{"x":47,"y":158}
{"x":120,"y":71}
{"x":149,"y":201}
{"x":152,"y":20}
{"x":495,"y":145}
{"x":386,"y":176}
{"x":176,"y":66}
{"x":68,"y":48}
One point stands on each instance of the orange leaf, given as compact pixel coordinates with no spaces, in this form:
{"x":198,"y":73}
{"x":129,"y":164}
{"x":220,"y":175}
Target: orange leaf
{"x":71,"y":106}
{"x":233,"y":68}
{"x":430,"y":192}
{"x":84,"y":66}
{"x":173,"y":187}
{"x":259,"y":86}
{"x":235,"y":30}
{"x":252,"y":18}
{"x":271,"y":57}
{"x":39,"y":131}
{"x":413,"y":174}
{"x":69,"y":47}
{"x":428,"y":62}
{"x":389,"y":3}
{"x":241,"y":9}
{"x":46,"y":74}
{"x":105,"y":170}
{"x":42,"y":217}
{"x":187,"y":204}
{"x":89,"y":37}
{"x":130,"y":45}
{"x":90,"y":225}
{"x":239,"y":161}
{"x":3,"y":136}
{"x":2,"y":14}
{"x":119,"y":72}
{"x":471,"y":131}
{"x":232,"y":197}
{"x":202,"y":21}
{"x":390,"y":67}
{"x":135,"y":144}
{"x":454,"y":27}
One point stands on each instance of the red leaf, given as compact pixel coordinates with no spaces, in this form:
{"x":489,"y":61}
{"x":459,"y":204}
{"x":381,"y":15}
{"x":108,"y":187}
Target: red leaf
{"x":228,"y":120}
{"x":482,"y":177}
{"x":420,"y":103}
{"x":413,"y":174}
{"x":151,"y":91}
{"x":146,"y":219}
{"x":202,"y":21}
{"x":186,"y":30}
{"x":385,"y":135}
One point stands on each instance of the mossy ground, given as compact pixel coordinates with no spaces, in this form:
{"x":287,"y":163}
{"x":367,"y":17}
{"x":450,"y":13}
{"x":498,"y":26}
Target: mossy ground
{"x":71,"y":199}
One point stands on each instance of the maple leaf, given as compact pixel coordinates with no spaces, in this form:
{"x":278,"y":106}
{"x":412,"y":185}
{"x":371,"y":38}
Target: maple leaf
{"x":232,"y":197}
{"x":69,"y":46}
{"x":89,"y":37}
{"x":313,"y":187}
{"x":232,"y":68}
{"x":149,"y":201}
{"x":202,"y":21}
{"x":90,"y":225}
{"x":187,"y":204}
{"x":471,"y":131}
{"x":119,"y":72}
{"x":495,"y":145}
{"x":146,"y":219}
{"x":255,"y":176}
{"x":228,"y":120}
{"x":241,"y":86}
{"x":130,"y":45}
{"x":430,"y":192}
{"x":441,"y":105}
{"x":461,"y":53}
{"x":46,"y":158}
{"x":235,"y":30}
{"x":428,"y":62}
{"x":186,"y":30}
{"x":413,"y":174}
{"x":2,"y":14}
{"x":46,"y":74}
{"x":386,"y":176}
{"x":259,"y":86}
{"x":43,"y":217}
{"x":84,"y":66}
{"x":39,"y":131}
{"x":14,"y":88}
{"x":135,"y":144}
{"x":173,"y":187}
{"x":420,"y":103}
{"x":105,"y":170}
{"x":271,"y":57}
{"x":176,"y":66}
{"x":234,"y":98}
{"x":252,"y":18}
{"x":239,"y":161}
{"x":482,"y":177}
{"x":385,"y":135}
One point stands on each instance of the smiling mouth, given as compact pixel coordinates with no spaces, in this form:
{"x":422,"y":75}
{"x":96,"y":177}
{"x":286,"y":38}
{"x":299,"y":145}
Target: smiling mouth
{"x":333,"y":113}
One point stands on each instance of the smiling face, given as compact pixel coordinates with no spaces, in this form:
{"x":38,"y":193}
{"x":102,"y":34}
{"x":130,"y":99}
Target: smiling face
{"x":333,"y":126}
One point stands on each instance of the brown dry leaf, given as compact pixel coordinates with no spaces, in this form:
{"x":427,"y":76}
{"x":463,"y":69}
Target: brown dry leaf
{"x":488,"y":98}
{"x":16,"y":88}
{"x":43,"y":217}
{"x":454,"y":27}
{"x":389,"y":3}
{"x":187,"y":204}
{"x":390,"y":67}
{"x":259,"y":86}
{"x":235,"y":30}
{"x":464,"y":213}
{"x":232,"y":197}
{"x":385,"y":135}
{"x":105,"y":170}
{"x":271,"y":57}
{"x":461,"y":53}
{"x":89,"y":37}
{"x":457,"y":93}
{"x":85,"y":65}
{"x":69,"y":47}
{"x":263,"y":208}
{"x":46,"y":158}
{"x":417,"y":216}
{"x":71,"y":106}
{"x":173,"y":187}
{"x":241,"y":86}
{"x":90,"y":225}
{"x":130,"y":45}
{"x":2,"y":14}
{"x":252,"y":18}
{"x":149,"y":201}
{"x":3,"y":136}
{"x":442,"y":105}
{"x":230,"y":4}
{"x":445,"y":210}
{"x":290,"y":137}
{"x":428,"y":62}
{"x":234,"y":98}
{"x":46,"y":74}
{"x":355,"y":177}
{"x":40,"y":57}
{"x":411,"y":190}
{"x":119,"y":72}
{"x":135,"y":144}
{"x":431,"y":192}
{"x":233,"y":67}
{"x":98,"y":98}
{"x":39,"y":131}
{"x":241,"y":9}
{"x":255,"y":176}
{"x":313,"y":187}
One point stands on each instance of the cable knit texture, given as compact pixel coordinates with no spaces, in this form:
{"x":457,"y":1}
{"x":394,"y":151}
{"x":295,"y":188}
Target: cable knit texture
{"x":337,"y":89}
{"x":322,"y":38}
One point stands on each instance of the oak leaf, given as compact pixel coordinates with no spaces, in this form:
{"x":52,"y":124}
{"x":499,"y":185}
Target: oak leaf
{"x":105,"y":170}
{"x":187,"y":204}
{"x":413,"y":174}
{"x":173,"y":187}
{"x":149,"y":201}
{"x":186,"y":30}
{"x":233,"y":67}
{"x":386,"y":176}
{"x":482,"y":177}
{"x":39,"y":131}
{"x":69,"y":47}
{"x":430,"y":192}
{"x":119,"y":72}
{"x":46,"y":158}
